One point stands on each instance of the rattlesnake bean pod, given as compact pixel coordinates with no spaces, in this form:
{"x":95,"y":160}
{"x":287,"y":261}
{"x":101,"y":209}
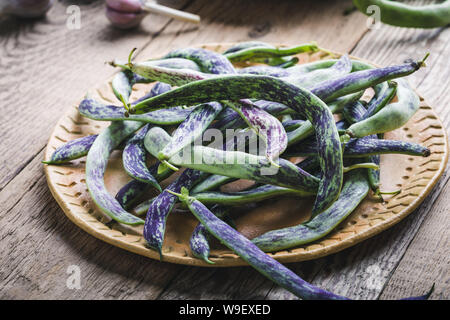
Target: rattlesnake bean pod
{"x":247,"y":44}
{"x":263,"y":52}
{"x":405,"y":15}
{"x":96,"y":162}
{"x":265,"y":70}
{"x":353,"y":192}
{"x":208,"y":61}
{"x":243,"y":165}
{"x":211,"y":183}
{"x":72,"y":150}
{"x":250,"y":253}
{"x":199,"y":241}
{"x":190,"y":129}
{"x":259,"y":260}
{"x":255,"y":194}
{"x":128,"y":194}
{"x":133,"y":158}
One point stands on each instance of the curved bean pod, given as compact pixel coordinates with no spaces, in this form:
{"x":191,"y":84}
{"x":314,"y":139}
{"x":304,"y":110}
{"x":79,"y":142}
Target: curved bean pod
{"x":128,"y":194}
{"x":265,"y":70}
{"x":272,"y":89}
{"x":259,"y":260}
{"x":161,"y":206}
{"x":211,"y":183}
{"x":308,"y":80}
{"x":353,"y":112}
{"x":190,"y":129}
{"x":381,"y":99}
{"x":247,"y":44}
{"x":392,"y":116}
{"x":96,"y":110}
{"x":353,"y":192}
{"x":257,"y":53}
{"x":208,"y":61}
{"x":133,"y":158}
{"x":256,"y":194}
{"x":266,"y":126}
{"x":72,"y":150}
{"x":243,"y":165}
{"x":363,"y":147}
{"x":97,"y":160}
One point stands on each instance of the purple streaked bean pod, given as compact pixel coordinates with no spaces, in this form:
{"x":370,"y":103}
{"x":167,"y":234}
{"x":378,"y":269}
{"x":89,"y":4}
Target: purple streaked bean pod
{"x":266,"y":126}
{"x":353,"y":112}
{"x":134,"y":159}
{"x":363,"y":147}
{"x":247,"y":44}
{"x":72,"y":150}
{"x":160,"y":208}
{"x":308,"y":80}
{"x":243,"y":165}
{"x":255,"y":257}
{"x":211,"y":183}
{"x":93,"y":109}
{"x":251,"y":195}
{"x":128,"y":194}
{"x":199,"y":241}
{"x":356,"y":81}
{"x":260,"y":53}
{"x":381,"y":98}
{"x":96,"y":162}
{"x":354,"y":191}
{"x":392,"y":116}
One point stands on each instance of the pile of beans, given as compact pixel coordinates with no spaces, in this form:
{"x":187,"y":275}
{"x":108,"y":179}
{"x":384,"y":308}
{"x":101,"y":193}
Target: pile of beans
{"x":290,"y":109}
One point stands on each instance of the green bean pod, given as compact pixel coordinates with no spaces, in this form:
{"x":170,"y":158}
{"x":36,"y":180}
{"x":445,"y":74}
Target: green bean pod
{"x":392,"y":116}
{"x":272,"y":89}
{"x":355,"y":189}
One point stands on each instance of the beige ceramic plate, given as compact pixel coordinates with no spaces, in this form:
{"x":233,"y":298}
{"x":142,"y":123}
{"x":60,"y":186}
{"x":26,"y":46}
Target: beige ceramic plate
{"x":416,"y":176}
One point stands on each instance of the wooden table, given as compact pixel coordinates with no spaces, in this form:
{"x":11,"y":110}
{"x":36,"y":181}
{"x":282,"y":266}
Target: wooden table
{"x":45,"y":67}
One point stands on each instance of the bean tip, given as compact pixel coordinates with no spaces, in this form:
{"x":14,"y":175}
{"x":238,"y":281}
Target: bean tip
{"x":426,"y":152}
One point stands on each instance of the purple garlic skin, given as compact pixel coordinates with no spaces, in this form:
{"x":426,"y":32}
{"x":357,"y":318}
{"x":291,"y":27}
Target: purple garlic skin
{"x":28,"y":8}
{"x":124,"y":14}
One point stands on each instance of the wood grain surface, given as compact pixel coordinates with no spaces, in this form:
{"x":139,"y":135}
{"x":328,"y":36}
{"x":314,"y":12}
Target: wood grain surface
{"x":45,"y":67}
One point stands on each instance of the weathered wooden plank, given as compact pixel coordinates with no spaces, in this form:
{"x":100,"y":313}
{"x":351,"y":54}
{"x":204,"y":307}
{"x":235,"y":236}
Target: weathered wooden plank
{"x":427,"y":260}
